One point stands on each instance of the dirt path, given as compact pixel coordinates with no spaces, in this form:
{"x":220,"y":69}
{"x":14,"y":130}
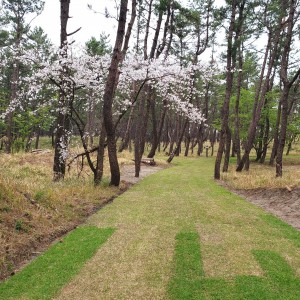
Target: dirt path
{"x":127,"y":172}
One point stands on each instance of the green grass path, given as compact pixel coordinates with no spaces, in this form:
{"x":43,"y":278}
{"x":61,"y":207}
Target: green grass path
{"x":179,"y":235}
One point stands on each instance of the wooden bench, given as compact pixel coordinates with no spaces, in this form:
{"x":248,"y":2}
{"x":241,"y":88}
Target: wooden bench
{"x":147,"y":161}
{"x":37,"y":151}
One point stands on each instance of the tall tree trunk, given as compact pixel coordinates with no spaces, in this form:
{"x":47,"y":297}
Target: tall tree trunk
{"x":200,"y":139}
{"x":267,"y":127}
{"x":63,"y":119}
{"x":171,"y":29}
{"x":276,"y":136}
{"x":156,"y":35}
{"x":227,"y":150}
{"x":162,"y":45}
{"x":156,"y":142}
{"x":138,"y":136}
{"x":37,"y":138}
{"x":265,"y":141}
{"x":179,"y":141}
{"x":291,"y":140}
{"x":283,"y":127}
{"x":261,"y":92}
{"x":9,"y":120}
{"x":147,"y":30}
{"x":229,"y":83}
{"x":109,"y":91}
{"x":127,"y":135}
{"x":236,"y":135}
{"x":125,"y":141}
{"x":286,"y":86}
{"x":259,"y":149}
{"x":152,"y":103}
{"x":98,"y":174}
{"x":18,"y":20}
{"x":90,"y":124}
{"x":150,"y":100}
{"x":188,"y":141}
{"x":13,"y":96}
{"x":14,"y":90}
{"x":213,"y":141}
{"x":202,"y":136}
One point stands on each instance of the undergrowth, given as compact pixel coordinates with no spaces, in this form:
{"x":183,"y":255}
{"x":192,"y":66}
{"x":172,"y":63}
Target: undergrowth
{"x":263,"y":175}
{"x":34,"y":210}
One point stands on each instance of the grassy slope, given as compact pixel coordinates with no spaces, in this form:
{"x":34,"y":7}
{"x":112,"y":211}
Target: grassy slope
{"x":34,"y":210}
{"x":245,"y":253}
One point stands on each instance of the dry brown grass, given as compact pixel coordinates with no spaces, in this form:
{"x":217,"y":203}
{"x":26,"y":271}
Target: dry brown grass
{"x":263,"y":176}
{"x":34,"y":210}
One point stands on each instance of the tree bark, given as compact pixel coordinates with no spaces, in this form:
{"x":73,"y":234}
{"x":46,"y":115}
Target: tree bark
{"x":98,"y":174}
{"x":276,"y":136}
{"x":236,"y":135}
{"x":229,"y":83}
{"x":147,"y":31}
{"x":63,"y":119}
{"x":156,"y":141}
{"x":265,"y":140}
{"x":227,"y":150}
{"x":179,"y":141}
{"x":261,"y":92}
{"x":286,"y":87}
{"x":140,"y":132}
{"x":109,"y":91}
{"x":125,"y":141}
{"x":37,"y":138}
{"x":162,"y":45}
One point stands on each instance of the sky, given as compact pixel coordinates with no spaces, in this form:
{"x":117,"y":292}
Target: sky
{"x":93,"y":24}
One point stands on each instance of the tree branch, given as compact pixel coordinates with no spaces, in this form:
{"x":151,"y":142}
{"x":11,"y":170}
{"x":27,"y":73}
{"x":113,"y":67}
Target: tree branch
{"x":69,"y":34}
{"x":294,"y":78}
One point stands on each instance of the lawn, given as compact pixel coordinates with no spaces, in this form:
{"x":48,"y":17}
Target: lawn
{"x":179,"y":235}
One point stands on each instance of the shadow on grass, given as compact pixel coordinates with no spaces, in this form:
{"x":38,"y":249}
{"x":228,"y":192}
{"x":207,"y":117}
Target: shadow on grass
{"x":48,"y":273}
{"x":188,"y":281}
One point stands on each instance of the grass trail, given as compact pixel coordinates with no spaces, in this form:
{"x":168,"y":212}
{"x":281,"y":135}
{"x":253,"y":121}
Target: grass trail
{"x":239,"y":245}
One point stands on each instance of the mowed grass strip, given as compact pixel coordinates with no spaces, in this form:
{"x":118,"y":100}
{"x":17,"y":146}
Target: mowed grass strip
{"x":188,"y":267}
{"x":189,"y":282}
{"x":48,"y":273}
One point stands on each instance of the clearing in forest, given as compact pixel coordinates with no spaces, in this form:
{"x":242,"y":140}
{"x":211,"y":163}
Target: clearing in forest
{"x":174,"y":235}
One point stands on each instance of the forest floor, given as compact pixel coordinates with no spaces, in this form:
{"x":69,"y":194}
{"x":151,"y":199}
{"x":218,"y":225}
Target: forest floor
{"x":174,"y":235}
{"x":127,"y":172}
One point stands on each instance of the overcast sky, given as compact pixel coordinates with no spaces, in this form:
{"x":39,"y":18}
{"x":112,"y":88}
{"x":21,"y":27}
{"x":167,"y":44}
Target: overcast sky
{"x":92,"y":23}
